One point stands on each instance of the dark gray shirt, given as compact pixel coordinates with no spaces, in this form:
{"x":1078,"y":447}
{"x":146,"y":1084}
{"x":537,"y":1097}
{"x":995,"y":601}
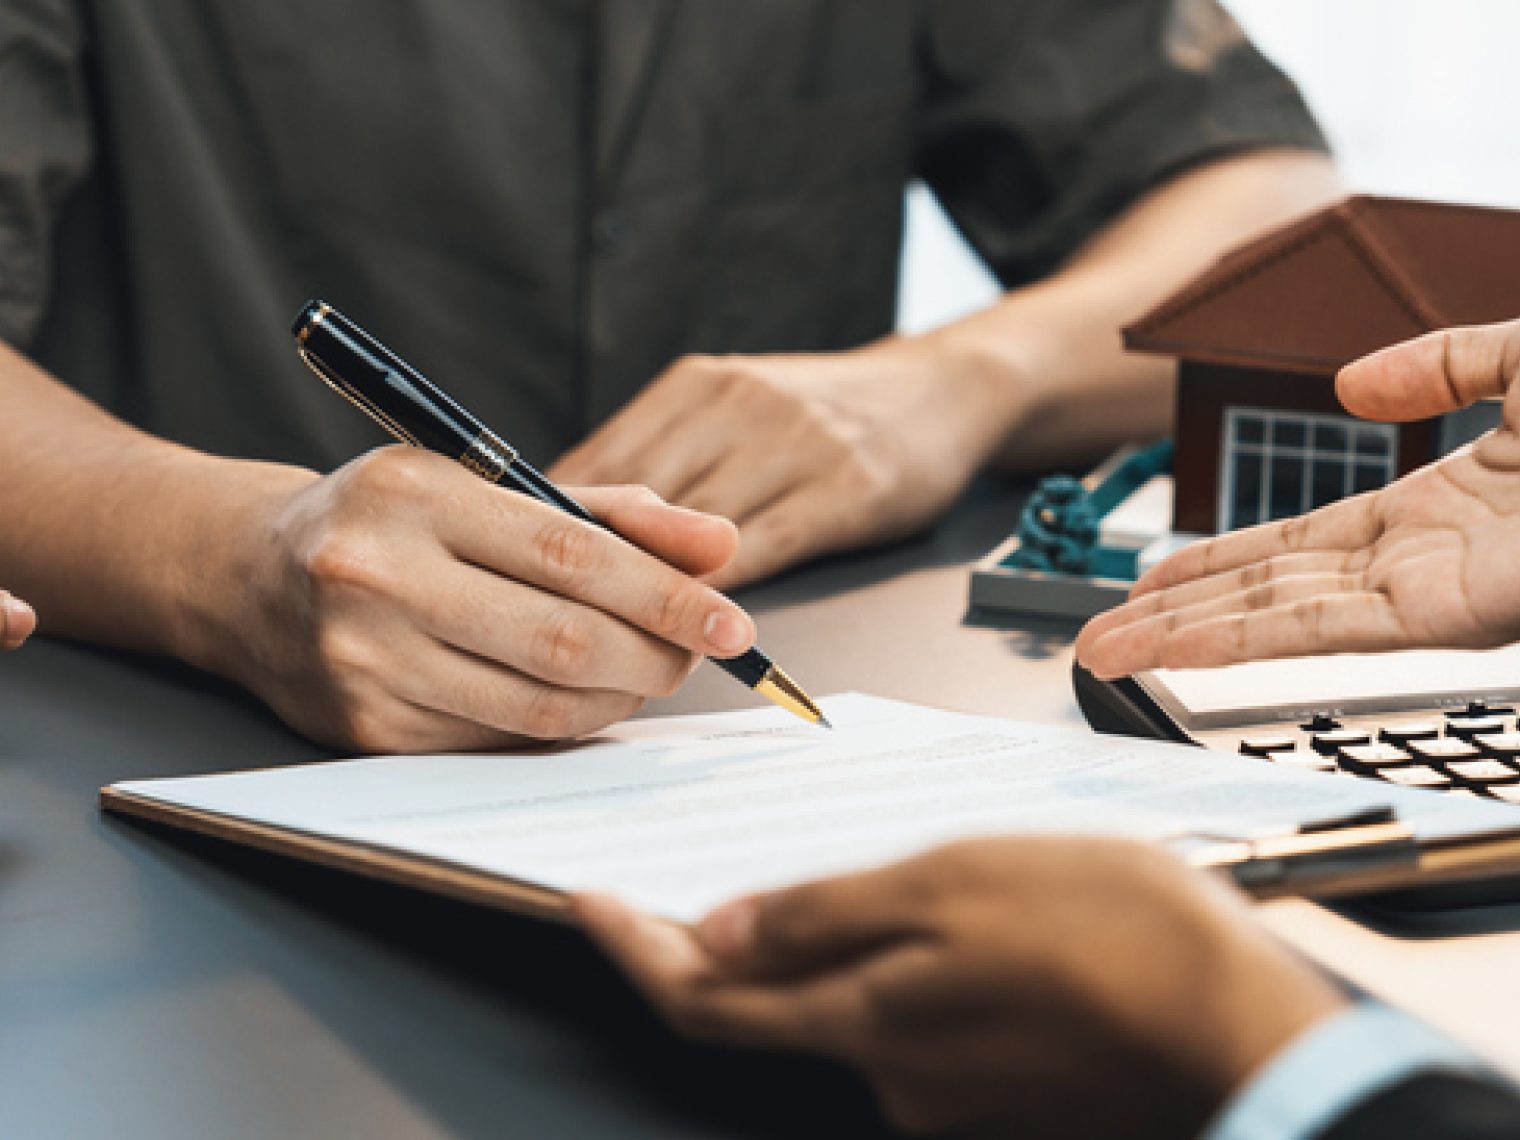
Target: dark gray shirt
{"x":542,"y":203}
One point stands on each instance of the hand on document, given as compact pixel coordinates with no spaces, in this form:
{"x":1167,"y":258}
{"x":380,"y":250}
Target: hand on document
{"x":1031,"y":986}
{"x":17,"y":621}
{"x":1426,"y":561}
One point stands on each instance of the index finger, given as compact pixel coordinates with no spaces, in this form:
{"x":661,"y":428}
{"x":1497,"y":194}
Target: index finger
{"x":668,"y":964}
{"x":1432,"y":374}
{"x":1350,"y":524}
{"x":556,"y":552}
{"x":798,"y":930}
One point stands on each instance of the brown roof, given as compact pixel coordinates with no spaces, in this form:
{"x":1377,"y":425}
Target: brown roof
{"x":1340,"y":283}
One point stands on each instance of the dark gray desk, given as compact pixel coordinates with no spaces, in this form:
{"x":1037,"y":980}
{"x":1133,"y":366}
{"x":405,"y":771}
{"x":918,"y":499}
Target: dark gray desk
{"x":159,"y":985}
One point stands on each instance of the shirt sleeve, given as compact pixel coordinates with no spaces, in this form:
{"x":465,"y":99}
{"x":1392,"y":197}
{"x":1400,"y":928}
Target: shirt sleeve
{"x":46,"y":152}
{"x":1044,"y":119}
{"x":1335,"y":1067}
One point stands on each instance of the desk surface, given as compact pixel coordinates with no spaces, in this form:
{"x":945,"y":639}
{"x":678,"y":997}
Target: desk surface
{"x":156,"y":984}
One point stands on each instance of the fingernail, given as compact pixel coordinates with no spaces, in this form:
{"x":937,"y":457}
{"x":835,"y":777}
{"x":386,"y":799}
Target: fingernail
{"x":728,"y":931}
{"x":727,"y":633}
{"x":18,"y":616}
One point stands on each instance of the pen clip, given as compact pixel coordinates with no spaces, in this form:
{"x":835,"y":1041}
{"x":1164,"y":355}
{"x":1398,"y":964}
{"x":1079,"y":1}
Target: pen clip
{"x":1319,"y":850}
{"x":356,"y":398}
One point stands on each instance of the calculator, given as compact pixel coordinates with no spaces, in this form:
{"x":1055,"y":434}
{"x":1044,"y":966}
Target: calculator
{"x":1443,"y":721}
{"x":1473,"y":749}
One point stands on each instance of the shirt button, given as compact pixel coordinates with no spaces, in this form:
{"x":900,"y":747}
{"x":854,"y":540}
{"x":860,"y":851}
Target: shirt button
{"x":608,"y":232}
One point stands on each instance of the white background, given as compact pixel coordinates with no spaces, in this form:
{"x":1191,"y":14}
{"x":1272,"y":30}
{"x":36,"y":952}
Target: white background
{"x":1421,"y":98}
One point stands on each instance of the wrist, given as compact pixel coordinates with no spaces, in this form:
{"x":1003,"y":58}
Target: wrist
{"x":981,"y":378}
{"x":1265,"y":999}
{"x":228,"y":511}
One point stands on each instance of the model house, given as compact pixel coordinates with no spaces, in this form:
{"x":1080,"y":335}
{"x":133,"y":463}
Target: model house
{"x":1260,"y":336}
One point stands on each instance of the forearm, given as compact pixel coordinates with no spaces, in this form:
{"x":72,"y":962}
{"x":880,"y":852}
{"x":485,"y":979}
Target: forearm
{"x":113,"y":535}
{"x":1063,"y":387}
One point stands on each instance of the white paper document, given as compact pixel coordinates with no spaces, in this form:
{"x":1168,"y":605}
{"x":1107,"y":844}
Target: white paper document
{"x":678,"y":815}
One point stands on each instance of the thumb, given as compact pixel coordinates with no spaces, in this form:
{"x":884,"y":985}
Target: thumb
{"x":805,"y":929}
{"x":1432,"y":374}
{"x":691,"y":541}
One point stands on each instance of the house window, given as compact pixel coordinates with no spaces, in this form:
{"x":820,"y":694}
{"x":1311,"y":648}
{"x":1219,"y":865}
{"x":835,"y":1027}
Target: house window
{"x":1276,"y":464}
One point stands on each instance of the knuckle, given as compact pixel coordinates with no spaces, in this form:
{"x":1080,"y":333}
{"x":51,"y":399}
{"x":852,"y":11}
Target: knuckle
{"x":1239,"y":637}
{"x":564,"y":648}
{"x":785,"y":537}
{"x":675,"y":610}
{"x":342,"y":652}
{"x":391,"y":471}
{"x":867,"y":478}
{"x":568,"y":550}
{"x":831,"y":433}
{"x":550,"y":714}
{"x":345,"y":557}
{"x":1295,"y":533}
{"x":1310,"y":615}
{"x":370,"y":729}
{"x":1208,"y":557}
{"x":638,"y":495}
{"x":629,"y":496}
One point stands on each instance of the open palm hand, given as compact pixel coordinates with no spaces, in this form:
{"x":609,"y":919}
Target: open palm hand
{"x":1426,"y":561}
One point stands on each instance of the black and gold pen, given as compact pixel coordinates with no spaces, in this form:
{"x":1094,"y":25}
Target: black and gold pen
{"x":413,"y":409}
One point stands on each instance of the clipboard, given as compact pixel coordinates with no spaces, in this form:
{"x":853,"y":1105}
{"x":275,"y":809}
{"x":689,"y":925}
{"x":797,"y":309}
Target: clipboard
{"x":1358,"y":857}
{"x":434,"y":876}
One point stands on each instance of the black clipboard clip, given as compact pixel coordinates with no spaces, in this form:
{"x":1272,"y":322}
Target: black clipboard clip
{"x":1325,"y":853}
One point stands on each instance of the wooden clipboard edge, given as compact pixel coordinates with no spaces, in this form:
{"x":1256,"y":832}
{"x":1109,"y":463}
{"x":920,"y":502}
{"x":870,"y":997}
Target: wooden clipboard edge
{"x":1446,"y":861}
{"x":416,"y":871}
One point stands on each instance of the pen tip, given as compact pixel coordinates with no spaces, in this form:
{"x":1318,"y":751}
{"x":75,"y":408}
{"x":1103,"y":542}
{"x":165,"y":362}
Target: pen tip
{"x":823,"y":722}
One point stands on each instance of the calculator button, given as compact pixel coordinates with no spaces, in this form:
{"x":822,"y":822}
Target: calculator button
{"x":1307,"y":761}
{"x":1331,"y":742}
{"x":1482,"y":708}
{"x":1373,"y":757}
{"x":1499,"y":743}
{"x":1415,"y":730}
{"x":1321,"y":723}
{"x":1483,"y":771}
{"x":1444,"y":749}
{"x":1415,"y":776}
{"x":1468,"y":726}
{"x":1266,"y":745}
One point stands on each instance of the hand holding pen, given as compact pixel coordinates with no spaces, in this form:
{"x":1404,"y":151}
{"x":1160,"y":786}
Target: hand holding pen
{"x":403,"y":604}
{"x":439,"y":612}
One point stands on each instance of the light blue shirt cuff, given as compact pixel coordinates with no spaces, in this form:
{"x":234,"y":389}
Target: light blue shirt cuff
{"x":1332,"y":1068}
